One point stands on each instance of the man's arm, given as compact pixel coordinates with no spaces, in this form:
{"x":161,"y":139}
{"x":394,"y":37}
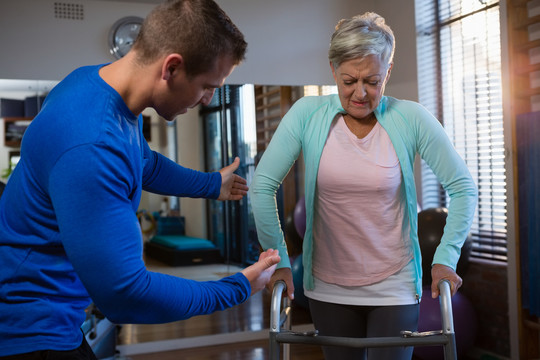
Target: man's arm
{"x":102,"y":240}
{"x":163,"y":176}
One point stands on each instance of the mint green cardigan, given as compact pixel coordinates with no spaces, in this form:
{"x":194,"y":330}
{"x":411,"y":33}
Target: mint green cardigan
{"x":412,"y":130}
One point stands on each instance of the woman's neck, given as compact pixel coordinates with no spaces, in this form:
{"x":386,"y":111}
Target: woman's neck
{"x":360,"y":127}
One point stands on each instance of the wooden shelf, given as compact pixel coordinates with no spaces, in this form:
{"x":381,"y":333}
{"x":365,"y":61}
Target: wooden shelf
{"x":527,"y":22}
{"x":527,"y":93}
{"x":16,"y":118}
{"x":265,"y":129}
{"x":274,"y":104}
{"x":268,"y":117}
{"x":13,"y":132}
{"x":526,"y":70}
{"x":526,"y":46}
{"x":267,"y":94}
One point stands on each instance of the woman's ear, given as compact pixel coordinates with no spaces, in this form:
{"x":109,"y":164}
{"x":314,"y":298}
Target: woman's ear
{"x":333,"y":71}
{"x":171,"y":65}
{"x":389,"y":71}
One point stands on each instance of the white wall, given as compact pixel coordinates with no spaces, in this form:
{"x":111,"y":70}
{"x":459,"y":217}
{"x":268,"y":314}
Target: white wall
{"x":190,"y":154}
{"x":287,"y":45}
{"x":36,"y":45}
{"x":288,"y":39}
{"x":190,"y":151}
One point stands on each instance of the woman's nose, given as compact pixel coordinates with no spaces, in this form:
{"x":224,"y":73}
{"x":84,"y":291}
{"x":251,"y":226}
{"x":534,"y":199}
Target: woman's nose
{"x":360,"y":90}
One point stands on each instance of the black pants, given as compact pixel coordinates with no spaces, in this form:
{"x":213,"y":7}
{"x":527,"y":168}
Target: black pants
{"x":364,"y":321}
{"x":83,"y":352}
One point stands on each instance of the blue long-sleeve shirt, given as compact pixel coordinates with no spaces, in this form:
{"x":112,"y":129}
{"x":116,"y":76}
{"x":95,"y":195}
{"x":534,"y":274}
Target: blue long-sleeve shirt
{"x":68,"y":228}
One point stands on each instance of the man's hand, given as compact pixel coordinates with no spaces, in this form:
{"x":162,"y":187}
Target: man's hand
{"x":259,"y":273}
{"x":233,"y":187}
{"x":284,"y":274}
{"x":442,"y":272}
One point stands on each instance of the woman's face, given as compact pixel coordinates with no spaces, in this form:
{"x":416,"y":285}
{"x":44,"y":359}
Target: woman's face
{"x":361,"y":84}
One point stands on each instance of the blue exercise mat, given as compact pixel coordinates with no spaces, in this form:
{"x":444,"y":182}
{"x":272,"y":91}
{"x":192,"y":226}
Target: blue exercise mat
{"x":182,"y":242}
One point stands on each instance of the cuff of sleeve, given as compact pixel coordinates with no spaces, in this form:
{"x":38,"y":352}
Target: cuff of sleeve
{"x":444,"y":256}
{"x":245,"y":286}
{"x":216,"y":185}
{"x":285,"y":261}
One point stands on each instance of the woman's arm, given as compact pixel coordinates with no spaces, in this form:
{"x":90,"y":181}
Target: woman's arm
{"x":436,"y":149}
{"x":277,"y":160}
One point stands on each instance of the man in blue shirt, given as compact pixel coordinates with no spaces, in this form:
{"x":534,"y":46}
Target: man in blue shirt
{"x":68,"y":230}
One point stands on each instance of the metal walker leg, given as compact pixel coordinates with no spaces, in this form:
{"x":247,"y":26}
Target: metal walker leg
{"x":279,"y":319}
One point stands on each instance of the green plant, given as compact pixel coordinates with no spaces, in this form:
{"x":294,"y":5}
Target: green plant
{"x":7,"y":172}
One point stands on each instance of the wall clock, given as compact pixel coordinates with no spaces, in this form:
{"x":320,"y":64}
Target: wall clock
{"x":123,"y":34}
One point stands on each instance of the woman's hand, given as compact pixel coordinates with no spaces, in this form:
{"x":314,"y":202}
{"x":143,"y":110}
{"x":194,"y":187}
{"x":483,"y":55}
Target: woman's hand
{"x":284,"y":274}
{"x":233,"y":187}
{"x":442,"y":272}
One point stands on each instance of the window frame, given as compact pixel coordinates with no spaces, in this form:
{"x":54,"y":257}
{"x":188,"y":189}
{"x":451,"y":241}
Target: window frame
{"x":489,"y":244}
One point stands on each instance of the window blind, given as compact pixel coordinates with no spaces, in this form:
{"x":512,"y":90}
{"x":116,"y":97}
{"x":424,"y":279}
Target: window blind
{"x":459,"y":77}
{"x":316,"y":90}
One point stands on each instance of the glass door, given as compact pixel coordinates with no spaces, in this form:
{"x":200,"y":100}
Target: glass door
{"x":231,"y":226}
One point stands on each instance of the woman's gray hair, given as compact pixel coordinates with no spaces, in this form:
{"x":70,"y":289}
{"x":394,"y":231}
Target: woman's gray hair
{"x":360,"y":36}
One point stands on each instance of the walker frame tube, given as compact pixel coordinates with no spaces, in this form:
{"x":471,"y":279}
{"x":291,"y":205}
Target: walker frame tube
{"x":278,"y":335}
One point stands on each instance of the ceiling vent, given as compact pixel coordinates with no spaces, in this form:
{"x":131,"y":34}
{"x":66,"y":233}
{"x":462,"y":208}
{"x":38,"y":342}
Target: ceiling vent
{"x":68,"y":11}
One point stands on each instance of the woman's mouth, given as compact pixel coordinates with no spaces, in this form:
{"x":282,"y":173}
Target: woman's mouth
{"x":360,"y":103}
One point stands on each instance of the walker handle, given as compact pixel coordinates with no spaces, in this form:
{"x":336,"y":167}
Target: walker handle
{"x":277,"y":293}
{"x":446,"y":306}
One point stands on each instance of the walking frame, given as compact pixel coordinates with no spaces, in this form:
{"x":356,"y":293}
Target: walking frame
{"x":281,"y":333}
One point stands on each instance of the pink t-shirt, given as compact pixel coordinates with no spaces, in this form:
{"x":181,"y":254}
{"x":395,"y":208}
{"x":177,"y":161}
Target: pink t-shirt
{"x":357,"y":232}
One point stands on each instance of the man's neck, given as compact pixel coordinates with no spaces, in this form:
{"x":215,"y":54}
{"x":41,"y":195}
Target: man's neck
{"x":131,"y":81}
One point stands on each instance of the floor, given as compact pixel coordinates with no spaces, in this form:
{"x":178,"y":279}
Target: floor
{"x":257,"y":350}
{"x":239,"y":333}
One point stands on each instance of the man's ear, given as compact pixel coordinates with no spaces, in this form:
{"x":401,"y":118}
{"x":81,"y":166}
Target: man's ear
{"x":171,"y":65}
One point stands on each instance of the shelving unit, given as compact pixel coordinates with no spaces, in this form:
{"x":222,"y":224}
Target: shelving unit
{"x":14,"y":128}
{"x":271,"y":103}
{"x":524,"y":41}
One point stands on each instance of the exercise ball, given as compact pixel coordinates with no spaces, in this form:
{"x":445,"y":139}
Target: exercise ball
{"x":292,"y":239}
{"x":300,"y":216}
{"x":465,"y":325}
{"x":431,"y":224}
{"x":297,"y":269}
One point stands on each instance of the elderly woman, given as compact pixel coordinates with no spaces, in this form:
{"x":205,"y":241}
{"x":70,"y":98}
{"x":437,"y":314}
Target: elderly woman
{"x":361,"y":255}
